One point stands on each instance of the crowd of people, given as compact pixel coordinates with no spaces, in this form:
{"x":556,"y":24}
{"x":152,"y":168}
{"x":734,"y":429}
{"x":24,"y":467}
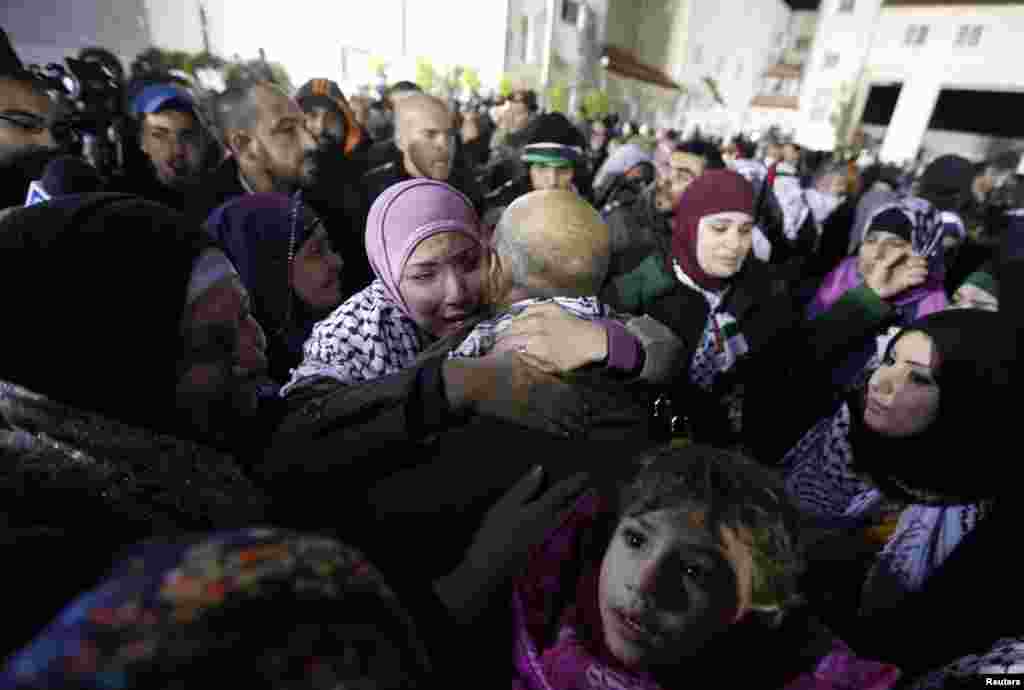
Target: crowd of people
{"x":325,"y":392}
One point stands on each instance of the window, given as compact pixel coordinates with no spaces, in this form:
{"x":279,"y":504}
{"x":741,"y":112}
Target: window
{"x":570,"y":12}
{"x":846,"y":6}
{"x":698,"y":55}
{"x":916,"y":35}
{"x":739,"y":70}
{"x":831,"y":60}
{"x":969,"y":35}
{"x":721,"y":65}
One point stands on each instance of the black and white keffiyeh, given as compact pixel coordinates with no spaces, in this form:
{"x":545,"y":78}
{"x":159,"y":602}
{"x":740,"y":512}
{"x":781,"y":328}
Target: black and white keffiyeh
{"x":1006,"y":656}
{"x":366,"y":338}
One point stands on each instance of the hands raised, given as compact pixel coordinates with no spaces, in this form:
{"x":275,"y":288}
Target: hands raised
{"x":895,"y":272}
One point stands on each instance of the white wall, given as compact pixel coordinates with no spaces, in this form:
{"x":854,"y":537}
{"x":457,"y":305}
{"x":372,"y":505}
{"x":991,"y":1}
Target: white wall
{"x":733,"y":41}
{"x":176,"y":26}
{"x":975,"y":147}
{"x":44,"y":31}
{"x":850,"y":36}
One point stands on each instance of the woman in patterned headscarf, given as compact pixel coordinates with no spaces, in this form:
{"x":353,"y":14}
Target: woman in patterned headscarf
{"x":909,"y":224}
{"x":259,"y":608}
{"x":897,"y":458}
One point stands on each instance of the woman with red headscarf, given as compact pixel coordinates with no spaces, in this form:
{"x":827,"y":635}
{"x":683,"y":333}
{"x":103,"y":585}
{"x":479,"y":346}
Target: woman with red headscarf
{"x":743,"y":332}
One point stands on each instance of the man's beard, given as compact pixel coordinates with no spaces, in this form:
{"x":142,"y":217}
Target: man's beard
{"x":426,"y":159}
{"x":309,"y":171}
{"x":305,"y":178}
{"x":180,"y":181}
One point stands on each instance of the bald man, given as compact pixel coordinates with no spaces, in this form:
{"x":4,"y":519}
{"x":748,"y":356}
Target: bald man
{"x":426,"y":144}
{"x":549,"y":246}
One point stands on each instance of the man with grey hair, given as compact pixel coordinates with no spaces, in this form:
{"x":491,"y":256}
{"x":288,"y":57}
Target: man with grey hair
{"x":271,"y":149}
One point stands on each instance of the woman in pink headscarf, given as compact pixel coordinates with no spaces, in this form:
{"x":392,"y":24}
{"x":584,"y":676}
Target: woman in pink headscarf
{"x":424,"y":244}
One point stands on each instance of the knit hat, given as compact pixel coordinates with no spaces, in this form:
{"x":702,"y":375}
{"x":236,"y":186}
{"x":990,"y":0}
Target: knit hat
{"x":716,"y":191}
{"x":327,"y":94}
{"x":553,"y":140}
{"x":278,"y":608}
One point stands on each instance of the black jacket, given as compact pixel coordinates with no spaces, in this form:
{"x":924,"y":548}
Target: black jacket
{"x":784,"y":348}
{"x":392,"y":454}
{"x":389,"y":169}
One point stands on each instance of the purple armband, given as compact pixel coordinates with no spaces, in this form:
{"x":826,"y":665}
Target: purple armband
{"x":624,"y":352}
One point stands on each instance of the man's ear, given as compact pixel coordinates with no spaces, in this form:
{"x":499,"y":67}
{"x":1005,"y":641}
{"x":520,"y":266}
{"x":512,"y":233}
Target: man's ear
{"x":495,"y":275}
{"x":239,"y":141}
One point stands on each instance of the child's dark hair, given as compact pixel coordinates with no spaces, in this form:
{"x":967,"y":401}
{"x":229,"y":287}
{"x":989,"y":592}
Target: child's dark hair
{"x":737,"y":493}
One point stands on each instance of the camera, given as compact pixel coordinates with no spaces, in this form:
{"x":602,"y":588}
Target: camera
{"x":89,"y":96}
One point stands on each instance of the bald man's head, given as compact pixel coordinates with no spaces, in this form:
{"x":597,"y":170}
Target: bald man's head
{"x":425,"y":134}
{"x":552,"y":243}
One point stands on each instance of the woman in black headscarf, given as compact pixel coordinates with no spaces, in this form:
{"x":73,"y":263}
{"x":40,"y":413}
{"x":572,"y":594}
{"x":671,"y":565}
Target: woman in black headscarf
{"x":903,"y":453}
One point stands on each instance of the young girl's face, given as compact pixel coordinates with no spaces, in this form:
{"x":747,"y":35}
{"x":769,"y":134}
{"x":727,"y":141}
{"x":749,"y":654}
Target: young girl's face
{"x":668,"y":585}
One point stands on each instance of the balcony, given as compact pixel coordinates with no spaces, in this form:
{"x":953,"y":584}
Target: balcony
{"x":780,"y":87}
{"x":769,"y":101}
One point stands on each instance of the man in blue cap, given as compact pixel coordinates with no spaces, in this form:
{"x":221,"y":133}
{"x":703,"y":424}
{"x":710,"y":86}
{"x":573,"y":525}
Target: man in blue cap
{"x":173,"y":142}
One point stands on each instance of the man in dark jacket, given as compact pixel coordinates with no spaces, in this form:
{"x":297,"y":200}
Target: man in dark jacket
{"x":342,"y":147}
{"x":426,"y":145}
{"x":271,"y":148}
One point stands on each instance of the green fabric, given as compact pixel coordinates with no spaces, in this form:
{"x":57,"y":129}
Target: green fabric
{"x":866,"y":298}
{"x":984,"y":281}
{"x":633,"y":291}
{"x":547,"y":159}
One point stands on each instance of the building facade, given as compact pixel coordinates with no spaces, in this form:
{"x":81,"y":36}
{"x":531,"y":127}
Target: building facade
{"x":731,"y":45}
{"x":45,"y":31}
{"x":925,"y":78}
